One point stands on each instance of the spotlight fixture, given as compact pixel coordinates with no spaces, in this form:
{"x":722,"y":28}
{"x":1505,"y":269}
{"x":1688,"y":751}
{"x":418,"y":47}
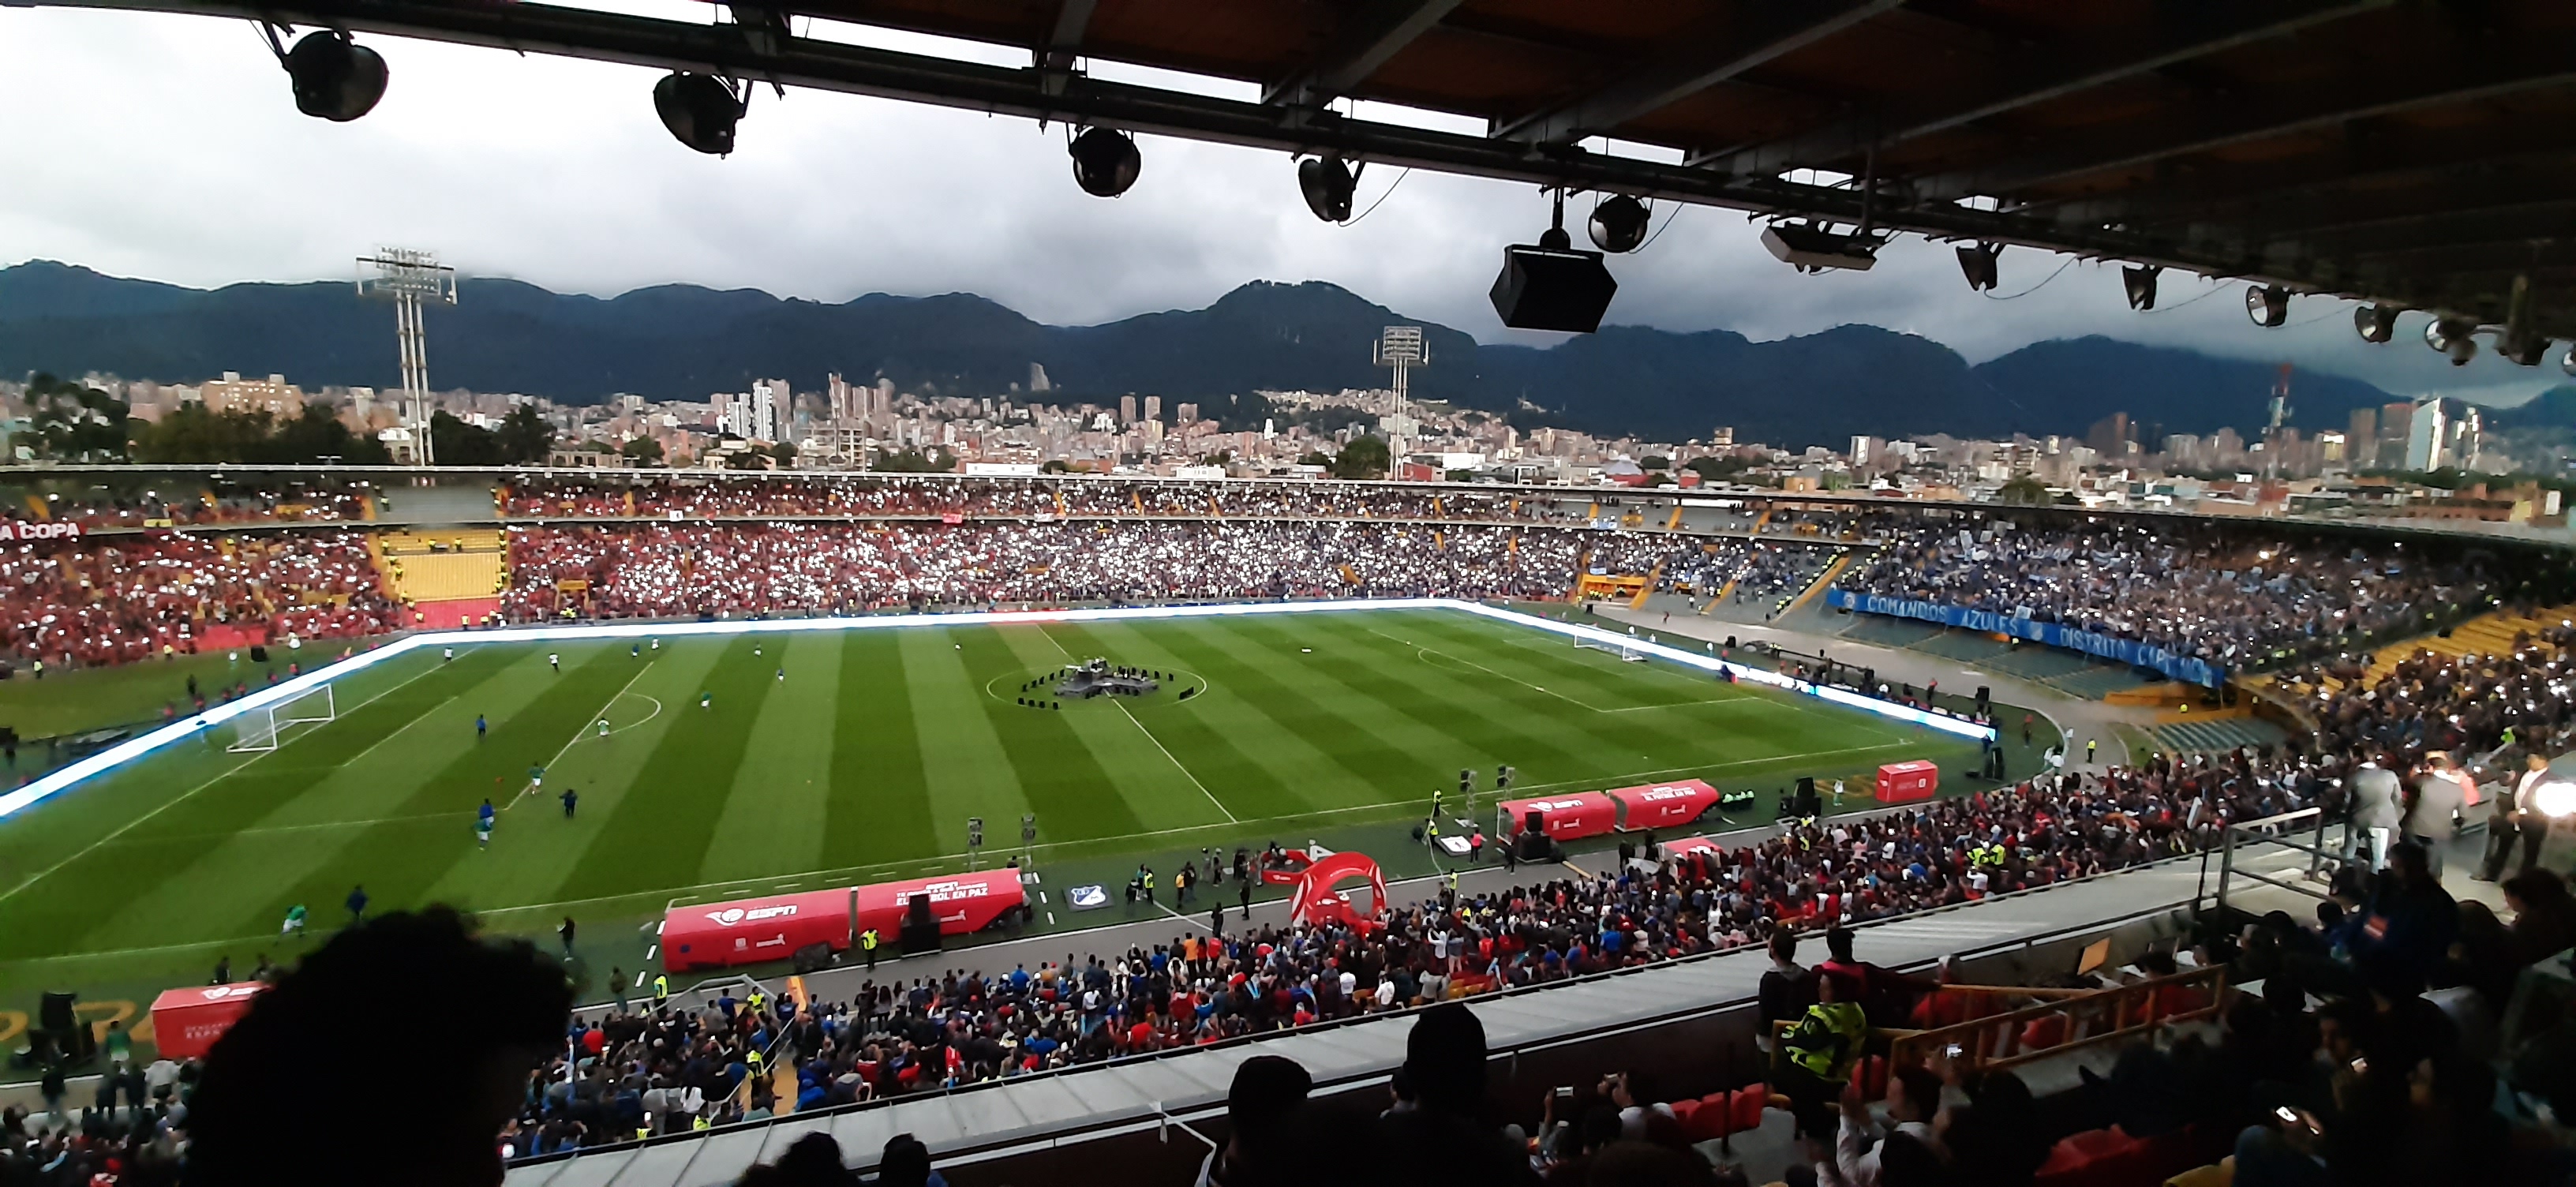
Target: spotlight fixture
{"x":1549,"y":285}
{"x":1977,"y":263}
{"x":1619,"y":224}
{"x":1328,"y":182}
{"x":2525,"y":351}
{"x":1105,"y":162}
{"x":2376,"y":323}
{"x":700,"y":110}
{"x":2567,"y":361}
{"x":2452,"y":336}
{"x":1809,"y":247}
{"x":2267,"y":304}
{"x":335,"y":78}
{"x":2140,"y":283}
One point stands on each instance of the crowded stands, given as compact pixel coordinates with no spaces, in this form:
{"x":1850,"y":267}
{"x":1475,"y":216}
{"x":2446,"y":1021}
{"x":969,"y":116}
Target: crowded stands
{"x":2198,"y":590}
{"x":195,"y":504}
{"x":123,"y":598}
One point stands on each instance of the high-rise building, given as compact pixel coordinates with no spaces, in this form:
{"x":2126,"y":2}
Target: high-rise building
{"x":2109,"y":436}
{"x":1126,"y":410}
{"x":2361,"y":439}
{"x":2396,"y":427}
{"x":1186,"y":414}
{"x":1154,"y":408}
{"x":755,"y":415}
{"x":273,"y":395}
{"x":846,"y":402}
{"x":2428,"y":437}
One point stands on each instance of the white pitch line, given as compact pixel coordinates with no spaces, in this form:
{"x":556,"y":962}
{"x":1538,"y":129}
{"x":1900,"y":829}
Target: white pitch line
{"x":236,"y":769}
{"x":584,"y":730}
{"x":1230,"y":817}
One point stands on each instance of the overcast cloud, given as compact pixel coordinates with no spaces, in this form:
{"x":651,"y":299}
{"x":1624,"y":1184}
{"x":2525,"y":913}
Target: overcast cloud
{"x":168,"y":147}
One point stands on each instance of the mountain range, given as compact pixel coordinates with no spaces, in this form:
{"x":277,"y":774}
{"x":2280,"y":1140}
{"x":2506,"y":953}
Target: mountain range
{"x":684,"y":342}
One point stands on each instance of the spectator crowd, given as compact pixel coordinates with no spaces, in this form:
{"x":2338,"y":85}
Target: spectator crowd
{"x":2201,"y":591}
{"x":123,"y":598}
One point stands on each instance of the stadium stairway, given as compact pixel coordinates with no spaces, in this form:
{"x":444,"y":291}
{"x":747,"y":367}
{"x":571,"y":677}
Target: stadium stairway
{"x":2208,"y":734}
{"x":2490,"y":633}
{"x":424,"y":567}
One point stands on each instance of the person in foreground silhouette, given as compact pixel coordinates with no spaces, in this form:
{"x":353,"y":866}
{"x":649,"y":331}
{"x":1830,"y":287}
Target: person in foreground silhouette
{"x":479,"y":1014}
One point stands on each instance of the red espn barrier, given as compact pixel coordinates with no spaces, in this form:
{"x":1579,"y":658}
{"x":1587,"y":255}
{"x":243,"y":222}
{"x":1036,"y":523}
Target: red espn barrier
{"x":1563,"y":817}
{"x":1690,"y":845}
{"x":186,"y":1022}
{"x":1662,"y":805}
{"x":963,"y":903}
{"x":752,"y":930}
{"x":748,"y":931}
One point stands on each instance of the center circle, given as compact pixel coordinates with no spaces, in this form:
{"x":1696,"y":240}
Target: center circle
{"x":1096,"y":681}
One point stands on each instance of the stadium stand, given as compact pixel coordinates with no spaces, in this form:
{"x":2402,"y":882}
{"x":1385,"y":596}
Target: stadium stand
{"x":125,"y":598}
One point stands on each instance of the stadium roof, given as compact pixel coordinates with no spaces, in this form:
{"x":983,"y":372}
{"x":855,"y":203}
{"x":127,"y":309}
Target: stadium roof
{"x":2414,"y":152}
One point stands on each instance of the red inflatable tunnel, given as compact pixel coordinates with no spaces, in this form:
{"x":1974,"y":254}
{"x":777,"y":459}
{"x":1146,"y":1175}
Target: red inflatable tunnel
{"x":963,"y":903}
{"x":185,"y":1022}
{"x":1662,"y":805}
{"x":751,"y":930}
{"x":1690,"y":845}
{"x":1318,"y":902}
{"x":1564,"y":817}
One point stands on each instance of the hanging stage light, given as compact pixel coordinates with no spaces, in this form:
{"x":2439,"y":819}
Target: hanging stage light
{"x":1619,"y":224}
{"x":1105,"y":162}
{"x":2567,"y":361}
{"x":700,"y":110}
{"x":2140,"y":283}
{"x":1977,"y":263}
{"x":2525,"y":351}
{"x":1550,"y":286}
{"x":335,"y":78}
{"x":1328,"y":183}
{"x":2376,"y":323}
{"x":2452,"y":336}
{"x":2267,"y":304}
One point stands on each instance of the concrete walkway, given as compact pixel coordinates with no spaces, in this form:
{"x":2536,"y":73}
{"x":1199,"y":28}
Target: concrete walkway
{"x":2083,"y":720}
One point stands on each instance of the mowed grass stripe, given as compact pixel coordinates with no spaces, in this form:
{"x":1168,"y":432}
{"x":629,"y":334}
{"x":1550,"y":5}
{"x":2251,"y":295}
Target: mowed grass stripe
{"x":660,"y":829}
{"x":1475,"y":729}
{"x":879,"y":808}
{"x":1139,"y":762}
{"x":1064,"y":783}
{"x":1242,"y":753}
{"x":774,"y":816}
{"x":1371,"y":742}
{"x":400,"y":859}
{"x":1633,"y":737}
{"x":963,"y":763}
{"x":79,"y":898}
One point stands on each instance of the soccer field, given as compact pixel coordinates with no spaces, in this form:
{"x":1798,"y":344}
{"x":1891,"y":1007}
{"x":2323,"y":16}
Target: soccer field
{"x":860,"y":752}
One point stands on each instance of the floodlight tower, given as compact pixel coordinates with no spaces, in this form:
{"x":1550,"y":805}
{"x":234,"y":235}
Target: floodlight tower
{"x":1402,"y":349}
{"x":408,"y":277}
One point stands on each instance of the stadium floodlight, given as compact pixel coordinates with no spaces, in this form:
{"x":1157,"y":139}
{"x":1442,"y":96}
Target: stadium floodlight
{"x":2376,"y":323}
{"x":700,"y":110}
{"x":1809,"y":247}
{"x":2267,"y":304}
{"x":1105,"y":162}
{"x":2453,"y":336}
{"x":1328,"y":183}
{"x":335,"y":78}
{"x":1619,"y":224}
{"x":1977,"y":263}
{"x":2567,"y":361}
{"x":2139,"y":282}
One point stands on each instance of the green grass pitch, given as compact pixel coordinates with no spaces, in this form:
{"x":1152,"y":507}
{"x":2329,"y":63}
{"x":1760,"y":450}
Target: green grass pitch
{"x":864,"y":759}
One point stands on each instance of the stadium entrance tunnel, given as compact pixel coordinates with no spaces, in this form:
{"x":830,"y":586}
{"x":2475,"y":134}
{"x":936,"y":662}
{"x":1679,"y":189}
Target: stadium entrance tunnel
{"x":1096,"y":680}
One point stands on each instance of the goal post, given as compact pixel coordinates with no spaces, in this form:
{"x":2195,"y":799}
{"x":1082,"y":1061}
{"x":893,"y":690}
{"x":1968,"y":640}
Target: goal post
{"x":1622,"y":650}
{"x":265,"y":728}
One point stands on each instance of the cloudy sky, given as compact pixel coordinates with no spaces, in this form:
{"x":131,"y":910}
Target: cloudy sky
{"x":168,"y":147}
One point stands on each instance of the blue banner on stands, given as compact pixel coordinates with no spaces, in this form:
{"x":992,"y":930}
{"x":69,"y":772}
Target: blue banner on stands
{"x":2110,"y":647}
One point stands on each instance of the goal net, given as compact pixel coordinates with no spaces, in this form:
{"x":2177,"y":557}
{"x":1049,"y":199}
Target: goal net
{"x":265,"y":728}
{"x":1622,"y":650}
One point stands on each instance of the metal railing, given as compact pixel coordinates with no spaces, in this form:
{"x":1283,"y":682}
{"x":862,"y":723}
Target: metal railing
{"x":2284,"y":832}
{"x":2074,"y":1020}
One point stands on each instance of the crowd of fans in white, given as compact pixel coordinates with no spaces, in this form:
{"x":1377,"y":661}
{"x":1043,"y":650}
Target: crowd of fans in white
{"x":2201,"y":591}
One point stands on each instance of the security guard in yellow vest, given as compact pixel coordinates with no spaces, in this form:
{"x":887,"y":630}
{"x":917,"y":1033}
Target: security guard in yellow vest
{"x":1149,"y":885}
{"x":661,"y":990}
{"x":751,"y":1059}
{"x":757,"y":1001}
{"x":1816,"y":1055}
{"x":700,"y":1122}
{"x":868,"y":944}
